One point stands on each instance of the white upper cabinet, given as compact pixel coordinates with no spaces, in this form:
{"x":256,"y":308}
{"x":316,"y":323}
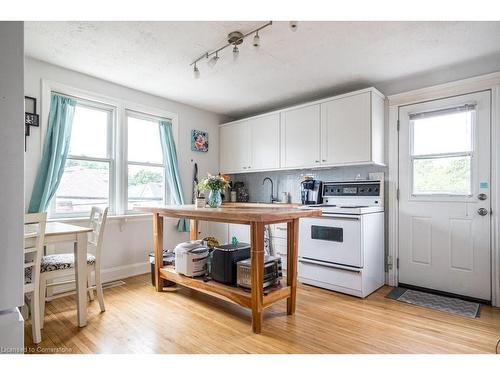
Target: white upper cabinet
{"x":252,"y":144}
{"x":234,"y":148}
{"x":300,"y":137}
{"x":349,"y":128}
{"x":265,"y":142}
{"x":344,"y":130}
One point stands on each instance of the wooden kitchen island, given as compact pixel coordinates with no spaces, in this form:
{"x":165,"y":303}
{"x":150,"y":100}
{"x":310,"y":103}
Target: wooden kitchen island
{"x":255,"y":216}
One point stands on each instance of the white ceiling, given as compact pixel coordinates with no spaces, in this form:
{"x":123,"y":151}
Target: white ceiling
{"x":320,"y":58}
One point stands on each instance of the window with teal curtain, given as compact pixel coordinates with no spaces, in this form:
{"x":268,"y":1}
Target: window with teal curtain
{"x":172,"y":169}
{"x":55,"y":152}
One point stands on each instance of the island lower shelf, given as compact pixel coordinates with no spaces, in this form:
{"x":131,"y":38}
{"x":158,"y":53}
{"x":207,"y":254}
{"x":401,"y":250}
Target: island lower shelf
{"x":226,"y":292}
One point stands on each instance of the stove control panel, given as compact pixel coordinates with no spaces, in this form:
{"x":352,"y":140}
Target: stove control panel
{"x":352,"y":189}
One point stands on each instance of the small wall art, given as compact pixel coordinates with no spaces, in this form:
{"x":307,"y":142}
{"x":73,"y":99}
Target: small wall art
{"x":199,"y":140}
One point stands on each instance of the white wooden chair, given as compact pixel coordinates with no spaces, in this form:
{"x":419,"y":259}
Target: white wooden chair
{"x":33,"y":250}
{"x":60,"y":265}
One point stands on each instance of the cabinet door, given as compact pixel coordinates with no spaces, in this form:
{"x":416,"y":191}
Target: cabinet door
{"x":218,"y":230}
{"x":300,"y":140}
{"x":234,"y":147}
{"x":240,"y":231}
{"x":346,"y":130}
{"x":265,"y":142}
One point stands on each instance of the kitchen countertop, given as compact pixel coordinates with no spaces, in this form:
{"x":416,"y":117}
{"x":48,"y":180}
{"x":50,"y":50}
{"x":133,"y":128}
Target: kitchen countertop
{"x":242,"y":213}
{"x":259,"y":205}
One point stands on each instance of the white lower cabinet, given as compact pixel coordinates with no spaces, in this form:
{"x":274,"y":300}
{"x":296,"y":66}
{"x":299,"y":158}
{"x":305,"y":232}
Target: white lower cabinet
{"x":279,"y":242}
{"x":240,"y":231}
{"x":225,"y":232}
{"x":280,"y":249}
{"x":217,"y":230}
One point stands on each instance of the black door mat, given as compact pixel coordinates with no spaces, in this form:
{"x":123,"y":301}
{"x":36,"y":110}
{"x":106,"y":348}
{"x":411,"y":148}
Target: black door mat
{"x":433,"y":301}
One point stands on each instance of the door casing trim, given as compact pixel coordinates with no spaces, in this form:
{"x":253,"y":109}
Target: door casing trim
{"x":481,"y":83}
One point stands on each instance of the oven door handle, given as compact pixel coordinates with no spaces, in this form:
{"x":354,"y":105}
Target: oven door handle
{"x":329,"y":265}
{"x":340,"y":217}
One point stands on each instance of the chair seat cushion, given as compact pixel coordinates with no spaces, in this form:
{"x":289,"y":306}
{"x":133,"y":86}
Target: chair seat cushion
{"x":27,"y":275}
{"x":56,"y":262}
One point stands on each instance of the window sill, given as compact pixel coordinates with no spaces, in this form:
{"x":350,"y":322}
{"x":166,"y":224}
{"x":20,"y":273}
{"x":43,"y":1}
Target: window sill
{"x":82,"y":219}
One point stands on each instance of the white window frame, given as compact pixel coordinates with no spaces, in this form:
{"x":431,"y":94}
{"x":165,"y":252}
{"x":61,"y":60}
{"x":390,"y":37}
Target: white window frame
{"x":120,"y":180}
{"x":110,"y":158}
{"x":142,"y":116}
{"x":471,"y":154}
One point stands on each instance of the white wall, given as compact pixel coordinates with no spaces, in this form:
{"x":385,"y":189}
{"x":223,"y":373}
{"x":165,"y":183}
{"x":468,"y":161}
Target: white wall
{"x":11,"y":181}
{"x":128,"y":241}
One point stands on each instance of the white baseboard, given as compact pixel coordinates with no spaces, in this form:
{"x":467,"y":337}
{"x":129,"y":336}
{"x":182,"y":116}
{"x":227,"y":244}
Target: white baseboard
{"x":109,"y":274}
{"x":122,"y":272}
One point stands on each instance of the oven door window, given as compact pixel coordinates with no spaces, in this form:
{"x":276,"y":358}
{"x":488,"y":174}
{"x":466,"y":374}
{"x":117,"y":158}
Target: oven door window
{"x":327,"y":233}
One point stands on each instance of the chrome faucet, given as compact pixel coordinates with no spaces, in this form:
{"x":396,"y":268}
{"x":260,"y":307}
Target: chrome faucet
{"x":273,"y":199}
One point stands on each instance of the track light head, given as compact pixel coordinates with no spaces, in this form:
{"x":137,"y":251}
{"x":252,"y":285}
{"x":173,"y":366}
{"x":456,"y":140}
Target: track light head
{"x":294,"y":25}
{"x":256,"y":40}
{"x":196,"y":72}
{"x":213,"y":60}
{"x":236,"y":52}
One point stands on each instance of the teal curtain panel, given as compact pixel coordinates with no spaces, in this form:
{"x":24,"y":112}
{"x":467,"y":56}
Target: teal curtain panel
{"x":172,"y":169}
{"x":55,"y":152}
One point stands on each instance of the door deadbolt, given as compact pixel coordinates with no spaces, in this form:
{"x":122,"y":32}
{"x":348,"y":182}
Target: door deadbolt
{"x":482,"y":211}
{"x":482,"y":197}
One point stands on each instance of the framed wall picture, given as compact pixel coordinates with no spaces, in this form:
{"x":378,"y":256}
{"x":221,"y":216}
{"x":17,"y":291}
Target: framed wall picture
{"x":199,"y":140}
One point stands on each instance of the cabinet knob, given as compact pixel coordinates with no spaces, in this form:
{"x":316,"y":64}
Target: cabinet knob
{"x":323,"y":160}
{"x":244,"y":167}
{"x":249,"y":167}
{"x":316,"y":161}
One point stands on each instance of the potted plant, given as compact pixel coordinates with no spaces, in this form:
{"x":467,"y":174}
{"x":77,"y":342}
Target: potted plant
{"x":215,"y":185}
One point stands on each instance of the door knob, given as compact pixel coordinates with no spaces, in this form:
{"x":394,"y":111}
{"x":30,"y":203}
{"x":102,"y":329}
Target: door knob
{"x":482,"y":197}
{"x":482,"y":211}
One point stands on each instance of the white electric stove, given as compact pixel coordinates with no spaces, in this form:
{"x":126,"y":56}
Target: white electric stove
{"x":343,"y":250}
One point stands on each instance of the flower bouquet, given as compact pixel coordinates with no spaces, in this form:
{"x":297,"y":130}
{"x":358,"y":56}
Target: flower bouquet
{"x":215,"y":185}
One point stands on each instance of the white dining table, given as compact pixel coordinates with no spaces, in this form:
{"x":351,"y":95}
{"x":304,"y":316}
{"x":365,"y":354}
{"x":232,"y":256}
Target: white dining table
{"x":57,"y":232}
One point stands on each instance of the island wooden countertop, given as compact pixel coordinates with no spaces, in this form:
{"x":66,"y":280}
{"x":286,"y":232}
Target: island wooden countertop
{"x":249,"y":213}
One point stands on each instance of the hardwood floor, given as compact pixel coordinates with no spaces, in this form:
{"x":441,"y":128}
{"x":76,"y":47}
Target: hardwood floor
{"x":140,"y":320}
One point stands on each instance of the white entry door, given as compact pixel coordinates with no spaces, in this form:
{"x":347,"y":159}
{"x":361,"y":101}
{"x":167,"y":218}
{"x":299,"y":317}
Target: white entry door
{"x":444,"y":197}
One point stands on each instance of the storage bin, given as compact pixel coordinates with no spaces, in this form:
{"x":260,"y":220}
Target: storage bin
{"x":168,"y":259}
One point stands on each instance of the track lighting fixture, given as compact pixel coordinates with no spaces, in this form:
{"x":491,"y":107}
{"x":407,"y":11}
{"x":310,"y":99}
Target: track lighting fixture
{"x":196,"y":72}
{"x":234,"y":39}
{"x":256,"y":40}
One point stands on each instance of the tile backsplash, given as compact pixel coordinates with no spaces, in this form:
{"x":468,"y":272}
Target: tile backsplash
{"x":289,"y":180}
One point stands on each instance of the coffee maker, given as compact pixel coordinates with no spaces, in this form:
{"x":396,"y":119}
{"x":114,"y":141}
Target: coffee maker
{"x":310,"y":192}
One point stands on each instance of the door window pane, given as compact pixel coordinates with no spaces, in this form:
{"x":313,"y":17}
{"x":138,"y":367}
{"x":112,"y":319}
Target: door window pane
{"x":144,"y":141}
{"x":146,"y":186}
{"x":445,"y":133}
{"x":89,"y":134}
{"x":84,"y":184}
{"x":442,"y":176}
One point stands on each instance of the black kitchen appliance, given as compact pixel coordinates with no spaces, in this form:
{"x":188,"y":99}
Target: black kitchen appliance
{"x":224,"y":259}
{"x":273,"y":272}
{"x":310,"y":191}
